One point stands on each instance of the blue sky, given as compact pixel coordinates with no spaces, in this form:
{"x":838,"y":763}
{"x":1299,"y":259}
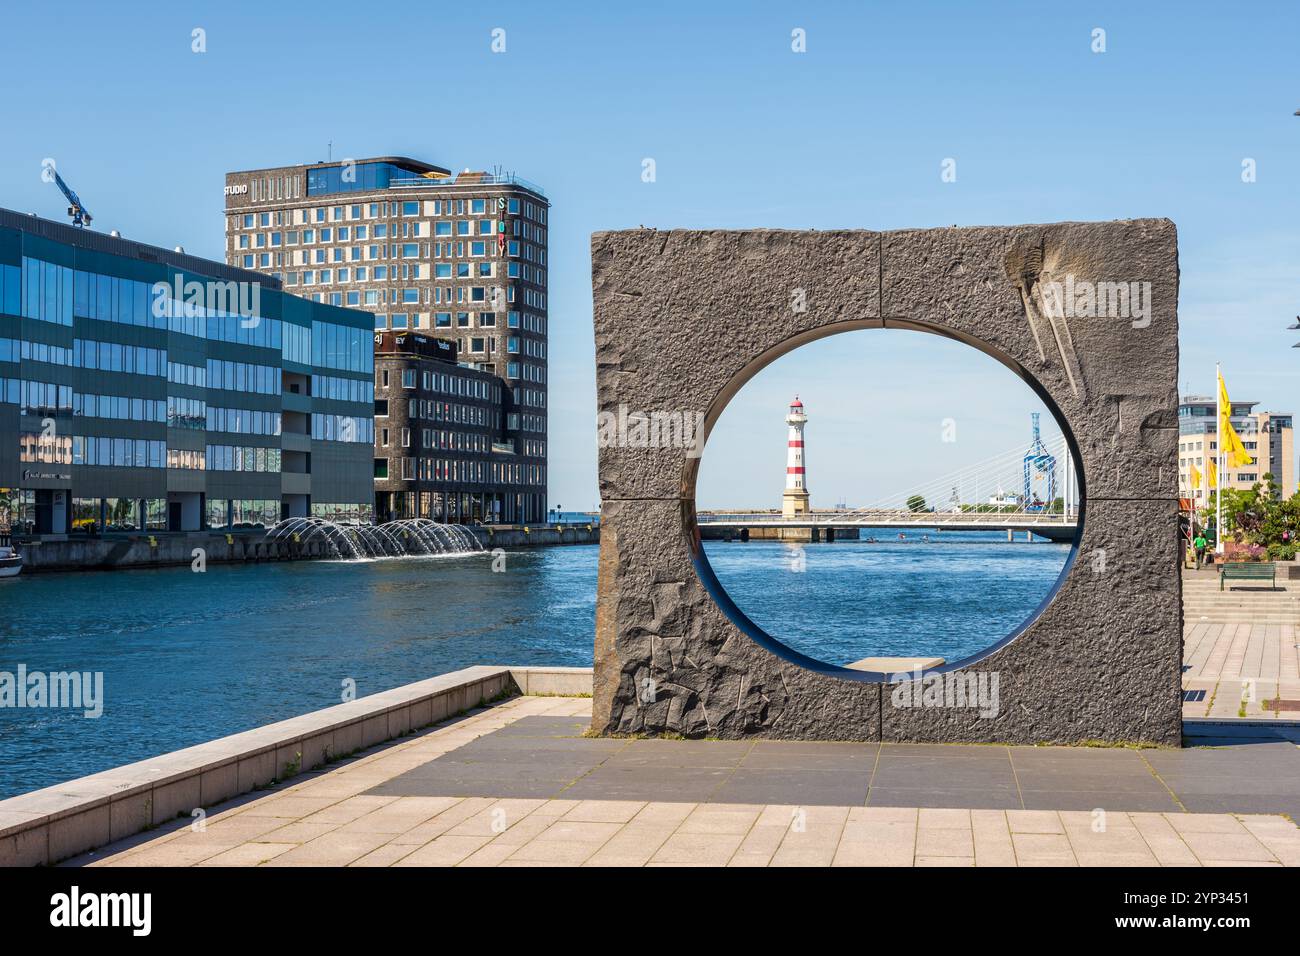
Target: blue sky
{"x":744,"y":133}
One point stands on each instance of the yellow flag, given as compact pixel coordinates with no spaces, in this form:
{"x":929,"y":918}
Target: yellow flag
{"x":1213,"y":473}
{"x":1229,"y":440}
{"x":1196,"y":478}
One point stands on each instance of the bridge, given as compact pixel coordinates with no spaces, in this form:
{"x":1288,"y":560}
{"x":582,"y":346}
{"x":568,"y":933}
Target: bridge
{"x":1034,"y":493}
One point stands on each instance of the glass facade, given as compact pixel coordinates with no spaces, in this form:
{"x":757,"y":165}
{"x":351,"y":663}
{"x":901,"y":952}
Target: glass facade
{"x":354,"y":177}
{"x":140,"y":394}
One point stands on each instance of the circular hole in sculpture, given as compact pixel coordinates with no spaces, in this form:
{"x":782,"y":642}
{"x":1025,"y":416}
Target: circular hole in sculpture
{"x":883,"y":500}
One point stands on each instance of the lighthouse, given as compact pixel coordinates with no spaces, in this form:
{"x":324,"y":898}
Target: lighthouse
{"x":795,"y":500}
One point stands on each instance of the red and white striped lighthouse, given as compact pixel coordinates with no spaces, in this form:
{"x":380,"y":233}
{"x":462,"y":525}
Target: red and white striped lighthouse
{"x":795,"y":500}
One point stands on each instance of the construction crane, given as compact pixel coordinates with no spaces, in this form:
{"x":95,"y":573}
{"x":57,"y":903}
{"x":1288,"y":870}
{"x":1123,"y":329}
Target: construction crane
{"x":1039,"y":462}
{"x":80,"y":214}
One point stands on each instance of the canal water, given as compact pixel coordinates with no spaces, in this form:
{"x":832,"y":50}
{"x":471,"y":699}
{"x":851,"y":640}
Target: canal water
{"x":190,"y":657}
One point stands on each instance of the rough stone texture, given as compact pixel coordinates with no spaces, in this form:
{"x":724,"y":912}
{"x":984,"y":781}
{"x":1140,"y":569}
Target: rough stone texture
{"x":655,"y":622}
{"x":684,"y":319}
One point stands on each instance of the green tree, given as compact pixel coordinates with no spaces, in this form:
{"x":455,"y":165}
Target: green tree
{"x":1259,"y":515}
{"x":916,"y":503}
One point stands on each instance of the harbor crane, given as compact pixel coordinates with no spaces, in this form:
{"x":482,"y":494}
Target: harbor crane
{"x":1039,"y":463}
{"x":80,"y":214}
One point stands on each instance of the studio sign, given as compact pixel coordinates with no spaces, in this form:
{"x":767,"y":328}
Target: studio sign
{"x":237,"y":190}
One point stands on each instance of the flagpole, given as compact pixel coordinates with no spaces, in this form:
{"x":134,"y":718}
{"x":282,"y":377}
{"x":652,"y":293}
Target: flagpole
{"x":1218,"y":453}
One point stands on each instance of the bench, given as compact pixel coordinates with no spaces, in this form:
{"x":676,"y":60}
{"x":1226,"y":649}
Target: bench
{"x":1248,"y":571}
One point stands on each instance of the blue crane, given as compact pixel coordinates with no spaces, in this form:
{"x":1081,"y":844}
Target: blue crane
{"x":80,"y":214}
{"x":1039,"y":461}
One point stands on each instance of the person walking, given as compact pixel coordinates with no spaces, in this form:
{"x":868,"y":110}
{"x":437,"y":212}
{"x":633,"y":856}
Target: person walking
{"x":1200,"y":544}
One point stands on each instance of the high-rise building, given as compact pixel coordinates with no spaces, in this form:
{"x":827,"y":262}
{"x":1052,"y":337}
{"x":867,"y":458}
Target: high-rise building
{"x":147,"y":389}
{"x":1268,"y":437}
{"x":454,"y":257}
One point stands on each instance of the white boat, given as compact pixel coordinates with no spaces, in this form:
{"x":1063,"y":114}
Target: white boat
{"x":11,"y":562}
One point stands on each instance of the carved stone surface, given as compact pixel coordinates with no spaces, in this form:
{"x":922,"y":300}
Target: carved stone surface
{"x":1086,"y":313}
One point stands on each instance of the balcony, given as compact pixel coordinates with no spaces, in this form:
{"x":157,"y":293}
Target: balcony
{"x":295,"y":441}
{"x":295,"y":402}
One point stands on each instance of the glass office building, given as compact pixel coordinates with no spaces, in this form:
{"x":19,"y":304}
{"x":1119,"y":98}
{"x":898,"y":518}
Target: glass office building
{"x":148,"y":390}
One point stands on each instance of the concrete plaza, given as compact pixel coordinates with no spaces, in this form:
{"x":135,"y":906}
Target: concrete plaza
{"x":1240,"y":656}
{"x":516,"y":784}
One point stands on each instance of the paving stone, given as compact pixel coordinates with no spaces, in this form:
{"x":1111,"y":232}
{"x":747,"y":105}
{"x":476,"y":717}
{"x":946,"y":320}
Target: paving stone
{"x":709,"y":818}
{"x":694,"y":784}
{"x":606,"y":811}
{"x":941,"y":841}
{"x":974,"y":799}
{"x":446,"y":850}
{"x":1241,"y":845}
{"x":1034,"y":821}
{"x":710,"y":849}
{"x":1090,"y":799}
{"x":248,"y":854}
{"x":820,"y":787}
{"x":962,"y":776}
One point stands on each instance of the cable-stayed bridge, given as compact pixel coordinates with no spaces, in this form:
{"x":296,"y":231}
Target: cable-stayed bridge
{"x":1016,"y":491}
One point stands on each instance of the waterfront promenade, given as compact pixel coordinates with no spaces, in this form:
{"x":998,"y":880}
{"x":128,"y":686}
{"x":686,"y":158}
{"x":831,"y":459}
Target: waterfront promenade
{"x":515,"y":784}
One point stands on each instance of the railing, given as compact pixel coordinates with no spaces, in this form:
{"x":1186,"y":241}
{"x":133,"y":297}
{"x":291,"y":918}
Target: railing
{"x":892,"y":516}
{"x":483,"y":179}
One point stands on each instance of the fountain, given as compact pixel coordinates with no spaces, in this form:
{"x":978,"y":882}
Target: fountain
{"x":394,"y":539}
